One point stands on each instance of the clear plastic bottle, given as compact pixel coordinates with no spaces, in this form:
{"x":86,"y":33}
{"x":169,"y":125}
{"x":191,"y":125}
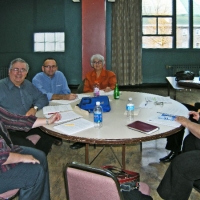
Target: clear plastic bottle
{"x":130,"y":109}
{"x":98,"y":115}
{"x":96,"y":89}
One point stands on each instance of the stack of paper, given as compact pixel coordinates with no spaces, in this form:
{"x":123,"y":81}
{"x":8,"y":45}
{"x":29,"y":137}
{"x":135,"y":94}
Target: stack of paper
{"x":68,"y":116}
{"x":74,"y":126}
{"x":48,"y":110}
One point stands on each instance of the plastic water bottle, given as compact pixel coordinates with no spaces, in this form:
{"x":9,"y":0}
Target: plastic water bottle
{"x":130,"y":108}
{"x":96,"y":90}
{"x":98,"y":115}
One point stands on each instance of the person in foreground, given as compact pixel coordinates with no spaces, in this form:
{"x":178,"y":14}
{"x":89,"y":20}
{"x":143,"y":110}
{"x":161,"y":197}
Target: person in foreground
{"x":174,"y":142}
{"x":184,"y":172}
{"x":104,"y":78}
{"x":52,"y":82}
{"x":22,"y":167}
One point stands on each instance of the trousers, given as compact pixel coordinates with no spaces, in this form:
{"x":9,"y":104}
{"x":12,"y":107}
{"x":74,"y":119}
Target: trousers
{"x":44,"y":144}
{"x":32,"y":179}
{"x":174,"y":142}
{"x":183,"y":172}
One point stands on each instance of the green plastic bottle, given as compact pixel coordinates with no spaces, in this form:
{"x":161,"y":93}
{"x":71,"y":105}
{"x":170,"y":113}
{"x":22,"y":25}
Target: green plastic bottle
{"x":116,"y":92}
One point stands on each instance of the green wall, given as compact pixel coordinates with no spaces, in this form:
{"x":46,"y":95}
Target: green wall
{"x":19,"y":19}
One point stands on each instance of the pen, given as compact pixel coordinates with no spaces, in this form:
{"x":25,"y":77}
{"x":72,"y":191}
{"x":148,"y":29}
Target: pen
{"x":51,"y":113}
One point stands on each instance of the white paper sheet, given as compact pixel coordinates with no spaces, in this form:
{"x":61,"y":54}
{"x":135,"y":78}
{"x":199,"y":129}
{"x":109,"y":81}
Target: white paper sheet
{"x":106,"y":93}
{"x":177,"y":112}
{"x":80,"y":96}
{"x":74,"y":126}
{"x":57,"y":108}
{"x":68,"y":116}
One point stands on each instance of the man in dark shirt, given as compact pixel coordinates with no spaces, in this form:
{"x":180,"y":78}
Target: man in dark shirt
{"x":20,"y":96}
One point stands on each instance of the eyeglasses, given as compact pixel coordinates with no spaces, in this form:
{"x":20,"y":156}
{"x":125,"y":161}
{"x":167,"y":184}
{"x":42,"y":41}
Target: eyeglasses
{"x":50,"y":66}
{"x":22,"y":70}
{"x":97,"y":63}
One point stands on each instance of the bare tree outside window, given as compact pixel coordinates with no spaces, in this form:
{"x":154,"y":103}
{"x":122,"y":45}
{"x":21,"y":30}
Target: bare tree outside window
{"x":157,"y":23}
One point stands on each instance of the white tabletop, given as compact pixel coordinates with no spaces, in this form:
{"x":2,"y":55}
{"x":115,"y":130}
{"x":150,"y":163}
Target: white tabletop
{"x":114,"y":128}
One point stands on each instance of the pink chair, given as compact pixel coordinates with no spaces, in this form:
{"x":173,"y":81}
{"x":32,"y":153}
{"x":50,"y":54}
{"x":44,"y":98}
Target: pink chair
{"x":9,"y":194}
{"x":88,"y":183}
{"x":33,"y":138}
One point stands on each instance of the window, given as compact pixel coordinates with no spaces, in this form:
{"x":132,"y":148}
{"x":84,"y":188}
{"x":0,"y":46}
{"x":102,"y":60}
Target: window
{"x":49,"y":42}
{"x":157,"y":23}
{"x":170,"y":23}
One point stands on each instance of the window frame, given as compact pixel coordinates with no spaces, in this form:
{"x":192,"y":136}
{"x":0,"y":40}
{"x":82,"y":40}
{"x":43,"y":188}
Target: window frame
{"x":174,"y":28}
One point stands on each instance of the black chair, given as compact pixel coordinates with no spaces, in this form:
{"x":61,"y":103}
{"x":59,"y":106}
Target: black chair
{"x":81,"y":87}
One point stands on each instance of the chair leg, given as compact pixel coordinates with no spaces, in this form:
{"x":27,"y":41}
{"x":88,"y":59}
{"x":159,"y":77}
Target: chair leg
{"x":141,"y":146}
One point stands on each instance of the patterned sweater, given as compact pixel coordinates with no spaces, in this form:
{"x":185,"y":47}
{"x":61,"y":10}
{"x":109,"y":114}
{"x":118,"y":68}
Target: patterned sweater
{"x":14,"y":122}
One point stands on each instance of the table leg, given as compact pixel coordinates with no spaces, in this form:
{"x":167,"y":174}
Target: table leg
{"x":87,"y":154}
{"x":123,"y":156}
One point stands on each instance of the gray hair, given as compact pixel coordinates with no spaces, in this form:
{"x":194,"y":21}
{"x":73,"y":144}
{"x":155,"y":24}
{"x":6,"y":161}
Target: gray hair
{"x":97,"y":56}
{"x":18,"y":60}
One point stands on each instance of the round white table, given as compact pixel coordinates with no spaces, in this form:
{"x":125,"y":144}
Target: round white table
{"x":114,"y":130}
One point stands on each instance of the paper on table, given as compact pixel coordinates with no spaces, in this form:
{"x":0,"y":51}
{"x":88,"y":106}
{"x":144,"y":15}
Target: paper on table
{"x":80,"y":96}
{"x":57,"y":108}
{"x":177,"y":112}
{"x":149,"y":101}
{"x":68,"y":116}
{"x":106,"y":93}
{"x":74,"y":126}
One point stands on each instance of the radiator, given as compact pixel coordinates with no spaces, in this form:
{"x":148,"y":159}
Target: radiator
{"x":172,"y":69}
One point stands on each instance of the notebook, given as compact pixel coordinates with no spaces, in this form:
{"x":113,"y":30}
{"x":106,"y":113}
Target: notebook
{"x":143,"y":127}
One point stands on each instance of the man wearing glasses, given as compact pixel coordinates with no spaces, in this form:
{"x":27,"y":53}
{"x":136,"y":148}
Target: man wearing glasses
{"x":52,"y":82}
{"x":20,"y":96}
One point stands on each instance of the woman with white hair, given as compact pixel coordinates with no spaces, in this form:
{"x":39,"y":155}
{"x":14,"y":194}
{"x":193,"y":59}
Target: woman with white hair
{"x":104,"y":78}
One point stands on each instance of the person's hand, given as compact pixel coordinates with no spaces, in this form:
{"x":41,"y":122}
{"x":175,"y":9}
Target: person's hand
{"x":29,"y":159}
{"x":107,"y":89}
{"x":54,"y":117}
{"x":182,"y":120}
{"x":70,"y":96}
{"x":32,"y":111}
{"x":195,"y":115}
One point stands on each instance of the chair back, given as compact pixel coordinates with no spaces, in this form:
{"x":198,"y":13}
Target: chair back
{"x":9,"y":194}
{"x":88,"y":183}
{"x":81,"y":87}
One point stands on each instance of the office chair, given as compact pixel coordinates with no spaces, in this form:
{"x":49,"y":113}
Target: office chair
{"x":88,"y":183}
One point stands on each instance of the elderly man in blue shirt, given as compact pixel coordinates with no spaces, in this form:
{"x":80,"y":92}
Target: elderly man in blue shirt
{"x":52,"y":82}
{"x":20,"y":96}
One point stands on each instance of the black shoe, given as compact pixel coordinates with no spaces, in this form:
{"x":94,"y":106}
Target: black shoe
{"x":169,"y":157}
{"x":58,"y":142}
{"x":77,"y":145}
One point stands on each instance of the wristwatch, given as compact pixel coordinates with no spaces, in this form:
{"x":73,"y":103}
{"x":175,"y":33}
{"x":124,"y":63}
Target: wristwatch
{"x":35,"y":107}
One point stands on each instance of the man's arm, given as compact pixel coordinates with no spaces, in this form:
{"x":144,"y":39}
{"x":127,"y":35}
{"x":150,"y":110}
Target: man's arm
{"x":40,"y":100}
{"x":39,"y":84}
